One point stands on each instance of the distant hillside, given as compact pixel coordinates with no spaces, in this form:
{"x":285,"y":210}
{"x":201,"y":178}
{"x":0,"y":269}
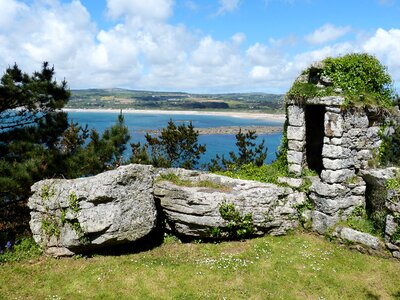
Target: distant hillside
{"x":122,"y":98}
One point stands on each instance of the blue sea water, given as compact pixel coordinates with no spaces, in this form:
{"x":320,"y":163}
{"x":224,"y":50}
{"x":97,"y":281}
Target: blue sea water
{"x":216,"y":144}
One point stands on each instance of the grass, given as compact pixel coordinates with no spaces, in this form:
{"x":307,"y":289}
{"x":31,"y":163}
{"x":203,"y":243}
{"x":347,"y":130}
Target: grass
{"x":265,"y":173}
{"x":299,"y":266}
{"x":175,"y":179}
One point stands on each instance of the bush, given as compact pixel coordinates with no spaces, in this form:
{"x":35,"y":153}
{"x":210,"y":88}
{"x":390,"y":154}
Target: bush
{"x":360,"y":77}
{"x":238,"y":226}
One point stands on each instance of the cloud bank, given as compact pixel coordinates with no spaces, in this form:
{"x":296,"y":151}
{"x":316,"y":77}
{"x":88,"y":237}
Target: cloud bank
{"x":143,"y":50}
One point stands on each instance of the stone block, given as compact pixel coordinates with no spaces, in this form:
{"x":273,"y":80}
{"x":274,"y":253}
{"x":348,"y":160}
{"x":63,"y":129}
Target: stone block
{"x":337,"y":164}
{"x":391,"y":226}
{"x":359,"y":190}
{"x":327,"y":190}
{"x":328,"y":101}
{"x":355,"y":120}
{"x":337,"y":176}
{"x":378,"y":177}
{"x":324,"y":205}
{"x":296,"y":115}
{"x":332,"y":151}
{"x":294,"y":157}
{"x":396,"y":254}
{"x":336,"y":141}
{"x":295,"y":169}
{"x":296,"y":145}
{"x":333,"y":124}
{"x":192,"y":211}
{"x":362,"y":238}
{"x":296,"y":133}
{"x":322,"y":222}
{"x":373,"y":133}
{"x":331,"y":205}
{"x":292,"y":182}
{"x":333,"y":109}
{"x":111,"y":208}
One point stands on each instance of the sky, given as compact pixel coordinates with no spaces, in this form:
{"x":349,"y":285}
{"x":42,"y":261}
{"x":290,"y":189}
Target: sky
{"x":199,"y":46}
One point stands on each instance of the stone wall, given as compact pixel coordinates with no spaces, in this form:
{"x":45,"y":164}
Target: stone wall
{"x":127,"y":204}
{"x":350,"y":142}
{"x":351,"y":139}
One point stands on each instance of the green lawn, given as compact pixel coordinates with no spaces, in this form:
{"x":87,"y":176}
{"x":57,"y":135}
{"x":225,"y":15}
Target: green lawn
{"x":298,"y":266}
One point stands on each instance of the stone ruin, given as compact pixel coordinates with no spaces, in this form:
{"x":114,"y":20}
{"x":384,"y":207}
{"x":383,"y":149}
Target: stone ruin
{"x":129,"y":204}
{"x":339,"y":144}
{"x":342,"y":145}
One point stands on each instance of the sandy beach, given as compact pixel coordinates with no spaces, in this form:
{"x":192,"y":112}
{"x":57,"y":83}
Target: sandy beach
{"x":244,"y":115}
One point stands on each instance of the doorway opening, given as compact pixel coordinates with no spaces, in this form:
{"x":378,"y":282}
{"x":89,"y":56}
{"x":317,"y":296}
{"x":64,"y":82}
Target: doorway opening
{"x":315,"y":131}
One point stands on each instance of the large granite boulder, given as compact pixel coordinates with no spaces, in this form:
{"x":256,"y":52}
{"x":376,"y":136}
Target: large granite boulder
{"x":114,"y":207}
{"x":191,"y":206}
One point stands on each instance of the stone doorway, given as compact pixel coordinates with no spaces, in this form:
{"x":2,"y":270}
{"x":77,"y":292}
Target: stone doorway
{"x":315,"y":131}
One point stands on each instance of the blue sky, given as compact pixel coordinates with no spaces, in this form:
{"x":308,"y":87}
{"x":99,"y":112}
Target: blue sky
{"x":194,"y":45}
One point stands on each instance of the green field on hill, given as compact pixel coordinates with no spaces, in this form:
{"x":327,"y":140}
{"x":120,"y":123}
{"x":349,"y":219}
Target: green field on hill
{"x":123,"y":99}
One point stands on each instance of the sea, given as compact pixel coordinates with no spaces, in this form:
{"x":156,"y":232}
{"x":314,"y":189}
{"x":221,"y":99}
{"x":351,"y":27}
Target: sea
{"x":220,"y":144}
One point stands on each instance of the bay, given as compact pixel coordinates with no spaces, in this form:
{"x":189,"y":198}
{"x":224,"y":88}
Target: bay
{"x":220,"y":144}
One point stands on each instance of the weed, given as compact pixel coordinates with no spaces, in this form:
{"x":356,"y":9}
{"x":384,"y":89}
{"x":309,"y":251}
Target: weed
{"x":359,"y":220}
{"x":46,"y":192}
{"x":24,"y":249}
{"x":50,"y":226}
{"x":238,"y":226}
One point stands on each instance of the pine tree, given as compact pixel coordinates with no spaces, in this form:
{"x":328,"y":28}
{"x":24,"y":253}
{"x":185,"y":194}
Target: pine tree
{"x":248,"y":153}
{"x":176,"y":146}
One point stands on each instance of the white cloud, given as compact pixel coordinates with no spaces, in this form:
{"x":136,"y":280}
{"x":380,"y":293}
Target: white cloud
{"x":143,"y":51}
{"x":385,"y":44}
{"x":142,"y":9}
{"x":327,"y":33}
{"x":10,"y":9}
{"x":238,"y":38}
{"x":227,"y":6}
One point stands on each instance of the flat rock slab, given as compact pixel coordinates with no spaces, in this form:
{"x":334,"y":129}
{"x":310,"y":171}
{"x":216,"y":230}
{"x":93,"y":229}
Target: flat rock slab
{"x":193,"y":210}
{"x":364,"y":239}
{"x":114,"y":207}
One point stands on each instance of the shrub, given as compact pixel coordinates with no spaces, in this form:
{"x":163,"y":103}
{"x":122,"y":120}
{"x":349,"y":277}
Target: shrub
{"x":360,"y":77}
{"x":238,"y":226}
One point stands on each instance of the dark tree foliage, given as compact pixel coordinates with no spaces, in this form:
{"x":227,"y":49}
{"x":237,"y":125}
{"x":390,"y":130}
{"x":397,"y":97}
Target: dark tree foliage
{"x":248,"y":153}
{"x":176,"y":146}
{"x":84,"y":153}
{"x":28,"y":99}
{"x":36,"y":141}
{"x":30,"y":126}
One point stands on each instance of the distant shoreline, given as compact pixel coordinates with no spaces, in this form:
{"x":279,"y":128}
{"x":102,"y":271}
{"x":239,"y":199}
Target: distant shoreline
{"x":231,"y":130}
{"x":243,"y":115}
